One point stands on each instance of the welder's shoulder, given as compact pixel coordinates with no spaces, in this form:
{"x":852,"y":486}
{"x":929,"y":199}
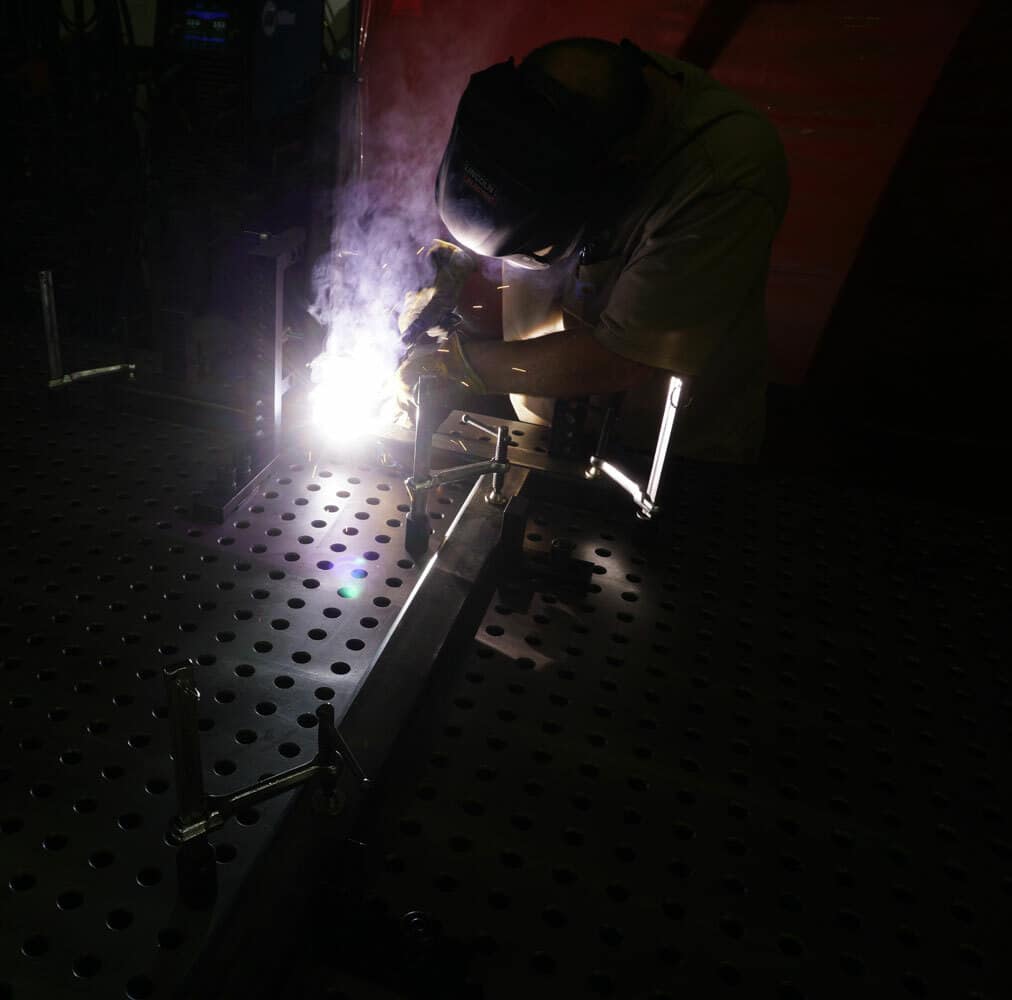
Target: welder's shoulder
{"x":745,"y":153}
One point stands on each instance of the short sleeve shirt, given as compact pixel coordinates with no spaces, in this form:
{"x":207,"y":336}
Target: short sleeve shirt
{"x":677,"y":280}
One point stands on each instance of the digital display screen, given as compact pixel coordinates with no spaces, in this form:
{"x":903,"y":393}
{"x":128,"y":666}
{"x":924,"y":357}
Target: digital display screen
{"x":204,"y":28}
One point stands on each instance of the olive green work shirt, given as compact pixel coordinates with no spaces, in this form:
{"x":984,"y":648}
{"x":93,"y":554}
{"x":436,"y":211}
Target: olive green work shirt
{"x":680,"y":281}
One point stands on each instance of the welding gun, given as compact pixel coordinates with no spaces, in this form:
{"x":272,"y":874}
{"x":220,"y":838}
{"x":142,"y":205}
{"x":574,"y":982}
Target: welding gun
{"x":433,"y":308}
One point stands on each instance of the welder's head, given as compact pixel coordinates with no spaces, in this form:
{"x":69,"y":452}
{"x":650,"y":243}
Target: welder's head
{"x":530,"y":150}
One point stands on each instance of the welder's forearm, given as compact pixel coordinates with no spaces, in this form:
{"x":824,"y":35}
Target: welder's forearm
{"x":566,"y":364}
{"x":471,"y":330}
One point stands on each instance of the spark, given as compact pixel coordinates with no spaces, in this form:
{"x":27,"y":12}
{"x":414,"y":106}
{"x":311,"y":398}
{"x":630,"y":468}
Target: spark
{"x":521,"y":371}
{"x":477,"y":307}
{"x":499,"y":288}
{"x":419,"y":250}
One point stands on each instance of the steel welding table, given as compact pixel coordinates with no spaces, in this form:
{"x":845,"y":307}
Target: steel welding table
{"x":759,"y":753}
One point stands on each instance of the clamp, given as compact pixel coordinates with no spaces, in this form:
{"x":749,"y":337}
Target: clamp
{"x":645,"y":497}
{"x":423,"y":478}
{"x":199,"y":814}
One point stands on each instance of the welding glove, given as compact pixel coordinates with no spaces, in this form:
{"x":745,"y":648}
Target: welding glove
{"x":457,"y":381}
{"x":430,"y":310}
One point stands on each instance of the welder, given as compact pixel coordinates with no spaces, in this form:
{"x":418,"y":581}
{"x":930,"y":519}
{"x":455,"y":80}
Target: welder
{"x":633,"y":201}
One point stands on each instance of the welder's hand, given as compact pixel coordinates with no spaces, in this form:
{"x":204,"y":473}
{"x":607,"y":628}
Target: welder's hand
{"x":456,"y":382}
{"x":425,"y":311}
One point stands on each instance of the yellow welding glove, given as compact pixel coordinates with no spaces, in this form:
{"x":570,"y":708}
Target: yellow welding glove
{"x":457,"y":381}
{"x":426,"y":311}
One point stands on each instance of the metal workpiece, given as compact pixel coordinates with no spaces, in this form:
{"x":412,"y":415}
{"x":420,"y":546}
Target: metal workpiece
{"x":232,"y":486}
{"x":441,"y":612}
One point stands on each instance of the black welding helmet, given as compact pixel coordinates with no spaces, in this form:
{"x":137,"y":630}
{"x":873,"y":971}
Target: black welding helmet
{"x":525,"y":163}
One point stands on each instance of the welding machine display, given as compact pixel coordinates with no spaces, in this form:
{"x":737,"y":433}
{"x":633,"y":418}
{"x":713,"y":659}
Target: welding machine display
{"x":204,"y":27}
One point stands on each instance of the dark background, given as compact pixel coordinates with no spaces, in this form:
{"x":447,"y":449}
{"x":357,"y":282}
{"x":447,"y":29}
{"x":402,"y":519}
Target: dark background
{"x":764,"y":753}
{"x":133,"y":165}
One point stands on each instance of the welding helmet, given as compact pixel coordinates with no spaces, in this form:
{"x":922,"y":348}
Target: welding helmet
{"x":526,"y":162}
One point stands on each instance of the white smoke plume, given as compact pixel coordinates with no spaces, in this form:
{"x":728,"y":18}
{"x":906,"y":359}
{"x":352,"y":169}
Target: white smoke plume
{"x":385,"y":212}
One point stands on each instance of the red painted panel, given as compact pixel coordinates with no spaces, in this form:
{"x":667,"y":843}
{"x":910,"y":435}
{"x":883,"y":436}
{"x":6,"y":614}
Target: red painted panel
{"x":843,"y":82}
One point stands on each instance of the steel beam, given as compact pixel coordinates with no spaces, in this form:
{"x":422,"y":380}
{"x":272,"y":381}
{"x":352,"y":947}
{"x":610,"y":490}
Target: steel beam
{"x":453,"y":592}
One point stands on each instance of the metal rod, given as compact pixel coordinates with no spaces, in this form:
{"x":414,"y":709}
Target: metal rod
{"x":500,"y":461}
{"x":417,"y":527}
{"x":616,"y":475}
{"x":183,"y":698}
{"x":663,"y":439}
{"x":455,"y":474}
{"x":267,"y":788}
{"x":502,"y":443}
{"x":326,"y":735}
{"x":49,"y":325}
{"x":89,"y":373}
{"x":218,"y":809}
{"x":425,"y":396}
{"x":593,"y":470}
{"x":608,"y":424}
{"x":466,"y":418}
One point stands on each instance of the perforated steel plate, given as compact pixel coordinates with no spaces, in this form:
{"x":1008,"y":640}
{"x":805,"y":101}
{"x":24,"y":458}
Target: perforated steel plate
{"x":106,"y":580}
{"x":765,"y":756}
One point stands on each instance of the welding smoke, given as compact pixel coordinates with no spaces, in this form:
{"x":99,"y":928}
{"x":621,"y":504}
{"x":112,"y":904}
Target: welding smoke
{"x":382,"y":204}
{"x":382,"y":210}
{"x":360,"y":284}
